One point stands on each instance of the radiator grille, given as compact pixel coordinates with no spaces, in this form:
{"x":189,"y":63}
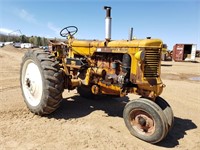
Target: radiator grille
{"x":151,"y":65}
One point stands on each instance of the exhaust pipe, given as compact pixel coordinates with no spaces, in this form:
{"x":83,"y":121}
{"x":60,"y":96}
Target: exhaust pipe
{"x":130,"y":37}
{"x":108,"y":23}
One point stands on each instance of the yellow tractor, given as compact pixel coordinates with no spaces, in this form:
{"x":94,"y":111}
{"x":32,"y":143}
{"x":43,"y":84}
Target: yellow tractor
{"x":109,"y":67}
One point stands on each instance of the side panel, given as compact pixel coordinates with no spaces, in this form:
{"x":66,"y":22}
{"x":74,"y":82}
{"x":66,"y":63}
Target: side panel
{"x":178,"y":52}
{"x":193,"y":53}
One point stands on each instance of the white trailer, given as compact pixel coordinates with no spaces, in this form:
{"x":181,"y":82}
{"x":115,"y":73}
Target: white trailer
{"x":26,"y":45}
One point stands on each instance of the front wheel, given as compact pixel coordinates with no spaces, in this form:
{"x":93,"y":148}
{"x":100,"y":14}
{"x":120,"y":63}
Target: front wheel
{"x":41,"y":82}
{"x":167,"y":110}
{"x":145,"y":120}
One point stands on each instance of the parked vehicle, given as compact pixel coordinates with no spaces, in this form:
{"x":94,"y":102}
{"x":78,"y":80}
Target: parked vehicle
{"x":1,"y":44}
{"x":26,"y":45}
{"x":107,"y":67}
{"x":17,"y":45}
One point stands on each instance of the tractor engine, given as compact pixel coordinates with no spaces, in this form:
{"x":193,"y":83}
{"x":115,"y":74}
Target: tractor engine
{"x":112,"y":68}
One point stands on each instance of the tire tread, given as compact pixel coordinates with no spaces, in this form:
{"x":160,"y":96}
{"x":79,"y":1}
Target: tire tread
{"x":53,"y":81}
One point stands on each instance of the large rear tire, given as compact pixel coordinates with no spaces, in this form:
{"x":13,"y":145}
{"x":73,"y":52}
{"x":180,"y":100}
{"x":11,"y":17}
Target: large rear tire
{"x":41,"y":82}
{"x":145,"y":120}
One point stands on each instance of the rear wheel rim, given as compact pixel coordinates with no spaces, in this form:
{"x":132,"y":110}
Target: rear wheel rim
{"x":32,"y":83}
{"x":142,"y":122}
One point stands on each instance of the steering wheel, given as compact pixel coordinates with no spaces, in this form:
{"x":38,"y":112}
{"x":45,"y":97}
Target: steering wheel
{"x":70,"y":30}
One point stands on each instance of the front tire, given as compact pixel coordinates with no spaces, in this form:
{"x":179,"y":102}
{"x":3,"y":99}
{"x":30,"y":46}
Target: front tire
{"x":145,"y":120}
{"x":41,"y":82}
{"x":167,"y":110}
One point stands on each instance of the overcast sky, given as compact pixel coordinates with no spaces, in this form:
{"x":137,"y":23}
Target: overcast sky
{"x":173,"y":21}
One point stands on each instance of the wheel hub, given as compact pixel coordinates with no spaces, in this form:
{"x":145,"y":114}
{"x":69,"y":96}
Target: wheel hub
{"x":31,"y":86}
{"x":142,"y":122}
{"x":32,"y":83}
{"x":28,"y":82}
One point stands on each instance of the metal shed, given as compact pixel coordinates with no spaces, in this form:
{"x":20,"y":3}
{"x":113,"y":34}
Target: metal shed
{"x":184,"y":52}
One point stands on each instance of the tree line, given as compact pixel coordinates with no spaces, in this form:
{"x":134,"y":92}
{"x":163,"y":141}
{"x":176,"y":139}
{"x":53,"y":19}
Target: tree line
{"x":35,"y":40}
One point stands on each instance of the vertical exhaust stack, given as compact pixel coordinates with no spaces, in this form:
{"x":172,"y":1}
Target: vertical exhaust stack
{"x":130,"y":36}
{"x":108,"y":23}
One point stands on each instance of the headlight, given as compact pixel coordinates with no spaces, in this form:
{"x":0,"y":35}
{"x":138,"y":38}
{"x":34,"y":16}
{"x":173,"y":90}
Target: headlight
{"x":140,"y":55}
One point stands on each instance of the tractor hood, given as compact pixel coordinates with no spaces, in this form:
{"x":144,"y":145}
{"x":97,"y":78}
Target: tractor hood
{"x":85,"y":47}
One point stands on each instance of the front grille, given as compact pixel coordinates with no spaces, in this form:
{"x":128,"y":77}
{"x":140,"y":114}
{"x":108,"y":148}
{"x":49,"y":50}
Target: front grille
{"x":151,"y":65}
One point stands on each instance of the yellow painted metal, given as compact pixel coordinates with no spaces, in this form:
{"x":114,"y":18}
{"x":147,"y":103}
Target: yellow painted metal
{"x":134,"y":48}
{"x":109,"y":89}
{"x":164,"y":50}
{"x":87,"y":48}
{"x":95,"y":89}
{"x":65,"y":66}
{"x":88,"y":76}
{"x":75,"y":82}
{"x":138,"y":55}
{"x":99,"y":71}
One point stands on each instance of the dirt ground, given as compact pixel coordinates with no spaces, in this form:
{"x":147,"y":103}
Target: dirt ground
{"x":95,"y":124}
